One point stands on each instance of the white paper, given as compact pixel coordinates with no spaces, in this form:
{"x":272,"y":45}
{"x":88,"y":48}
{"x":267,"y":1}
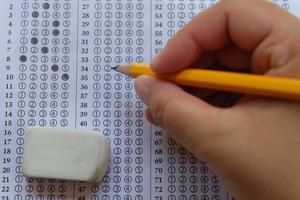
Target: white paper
{"x":56,"y":58}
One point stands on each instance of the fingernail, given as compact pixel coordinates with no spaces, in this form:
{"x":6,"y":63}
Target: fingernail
{"x":141,"y":89}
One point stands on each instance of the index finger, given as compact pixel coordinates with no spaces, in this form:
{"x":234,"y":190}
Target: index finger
{"x":245,"y":23}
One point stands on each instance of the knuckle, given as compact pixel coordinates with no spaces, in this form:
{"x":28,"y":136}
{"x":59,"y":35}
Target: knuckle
{"x":279,"y":53}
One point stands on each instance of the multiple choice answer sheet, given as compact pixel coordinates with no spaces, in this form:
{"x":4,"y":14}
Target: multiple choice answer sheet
{"x":56,"y":58}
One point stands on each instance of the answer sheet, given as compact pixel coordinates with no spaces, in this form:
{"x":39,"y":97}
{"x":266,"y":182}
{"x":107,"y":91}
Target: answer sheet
{"x":56,"y":58}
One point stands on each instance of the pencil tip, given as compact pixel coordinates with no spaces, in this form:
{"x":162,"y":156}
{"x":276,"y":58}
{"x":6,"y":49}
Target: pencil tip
{"x":115,"y":67}
{"x":121,"y":68}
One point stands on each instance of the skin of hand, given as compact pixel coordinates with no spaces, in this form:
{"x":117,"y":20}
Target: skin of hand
{"x":253,"y":146}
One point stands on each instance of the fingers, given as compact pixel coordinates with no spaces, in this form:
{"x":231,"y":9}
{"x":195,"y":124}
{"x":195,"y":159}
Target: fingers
{"x":234,"y":57}
{"x":245,"y":23}
{"x":185,"y":47}
{"x":230,"y":56}
{"x":191,"y":121}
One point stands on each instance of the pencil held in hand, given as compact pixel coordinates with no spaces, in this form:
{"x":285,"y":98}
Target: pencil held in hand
{"x":259,"y":85}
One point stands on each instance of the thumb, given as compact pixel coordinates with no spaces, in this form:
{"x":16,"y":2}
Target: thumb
{"x":195,"y":124}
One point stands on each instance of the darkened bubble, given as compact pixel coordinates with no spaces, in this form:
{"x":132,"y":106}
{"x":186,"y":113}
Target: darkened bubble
{"x":45,"y":50}
{"x":56,"y":23}
{"x":65,"y":77}
{"x":55,"y":32}
{"x":54,"y":68}
{"x":23,"y":58}
{"x":46,"y":6}
{"x":34,"y":40}
{"x":35,"y":14}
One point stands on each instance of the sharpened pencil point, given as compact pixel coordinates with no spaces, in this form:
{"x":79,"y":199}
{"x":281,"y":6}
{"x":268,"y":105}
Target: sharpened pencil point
{"x":115,"y":67}
{"x":124,"y":69}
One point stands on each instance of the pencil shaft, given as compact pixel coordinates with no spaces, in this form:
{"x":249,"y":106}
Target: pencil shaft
{"x":283,"y":88}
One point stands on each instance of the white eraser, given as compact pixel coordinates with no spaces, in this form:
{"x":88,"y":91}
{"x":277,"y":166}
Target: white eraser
{"x":68,"y":154}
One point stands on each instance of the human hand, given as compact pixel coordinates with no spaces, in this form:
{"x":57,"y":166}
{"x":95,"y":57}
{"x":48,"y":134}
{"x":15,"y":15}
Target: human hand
{"x":253,"y":146}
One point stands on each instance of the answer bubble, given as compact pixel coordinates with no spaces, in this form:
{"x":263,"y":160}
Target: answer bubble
{"x":23,"y":58}
{"x":65,"y":77}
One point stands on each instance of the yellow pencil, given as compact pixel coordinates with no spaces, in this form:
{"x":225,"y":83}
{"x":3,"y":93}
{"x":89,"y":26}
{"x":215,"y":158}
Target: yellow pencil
{"x":259,"y":85}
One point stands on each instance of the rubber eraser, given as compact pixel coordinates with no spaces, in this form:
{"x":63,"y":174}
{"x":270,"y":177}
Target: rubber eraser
{"x":61,"y":153}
